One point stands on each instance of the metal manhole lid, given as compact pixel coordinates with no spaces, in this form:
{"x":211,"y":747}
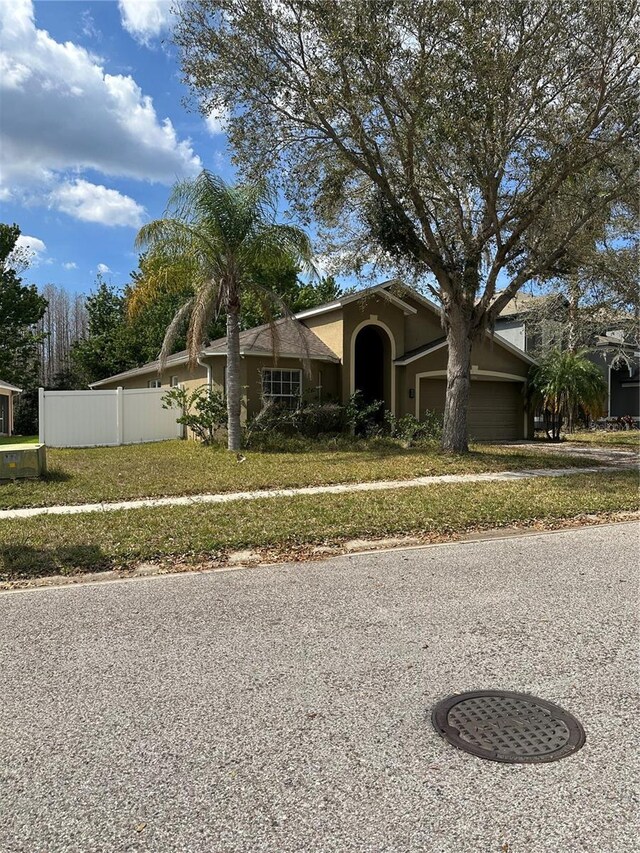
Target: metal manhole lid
{"x":509,"y":727}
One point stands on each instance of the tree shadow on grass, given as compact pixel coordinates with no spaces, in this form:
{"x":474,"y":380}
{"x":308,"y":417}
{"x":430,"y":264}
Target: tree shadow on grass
{"x":23,"y":561}
{"x":55,"y":475}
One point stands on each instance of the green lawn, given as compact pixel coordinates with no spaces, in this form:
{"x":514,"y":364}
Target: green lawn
{"x":98,"y":541}
{"x":620,"y":438}
{"x":186,"y":468}
{"x":19,"y":439}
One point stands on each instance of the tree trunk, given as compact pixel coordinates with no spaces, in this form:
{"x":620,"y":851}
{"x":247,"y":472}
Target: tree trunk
{"x":572,"y":325}
{"x":454,"y":433}
{"x":234,"y":391}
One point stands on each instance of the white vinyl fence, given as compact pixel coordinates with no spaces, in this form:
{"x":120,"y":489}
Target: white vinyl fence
{"x":91,"y":418}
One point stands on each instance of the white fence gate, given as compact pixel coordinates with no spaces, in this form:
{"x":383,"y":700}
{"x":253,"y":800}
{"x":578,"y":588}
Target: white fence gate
{"x":92,"y":418}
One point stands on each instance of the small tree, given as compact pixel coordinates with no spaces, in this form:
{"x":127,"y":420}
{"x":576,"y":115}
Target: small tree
{"x":563,"y":383}
{"x":204,"y":411}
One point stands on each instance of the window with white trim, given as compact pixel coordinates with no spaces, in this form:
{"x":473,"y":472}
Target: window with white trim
{"x":282,"y":386}
{"x":173,"y":381}
{"x":154,"y":383}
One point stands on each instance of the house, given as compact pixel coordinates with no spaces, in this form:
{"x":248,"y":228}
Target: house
{"x":536,"y":324}
{"x":385,"y":341}
{"x":7,"y":393}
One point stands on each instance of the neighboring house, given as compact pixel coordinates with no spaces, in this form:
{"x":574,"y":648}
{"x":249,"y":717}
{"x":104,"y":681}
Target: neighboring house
{"x":7,"y":393}
{"x":386,"y":342}
{"x":536,"y":324}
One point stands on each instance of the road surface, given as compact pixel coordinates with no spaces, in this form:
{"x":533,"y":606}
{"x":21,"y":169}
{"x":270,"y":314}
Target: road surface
{"x":287,"y":708}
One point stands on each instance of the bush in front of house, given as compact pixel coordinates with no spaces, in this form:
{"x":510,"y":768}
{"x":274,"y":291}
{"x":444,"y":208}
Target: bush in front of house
{"x":204,"y":411}
{"x":410,"y":432}
{"x":279,"y":427}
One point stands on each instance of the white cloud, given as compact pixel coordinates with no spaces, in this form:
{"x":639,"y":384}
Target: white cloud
{"x":145,"y":20}
{"x":33,"y":245}
{"x":89,"y":28}
{"x":62,"y":112}
{"x":95,"y":203}
{"x":70,"y":265}
{"x":103,"y":268}
{"x":216,"y":122}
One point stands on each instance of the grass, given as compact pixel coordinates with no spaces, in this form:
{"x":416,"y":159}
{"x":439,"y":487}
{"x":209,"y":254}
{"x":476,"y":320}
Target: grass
{"x":614,"y":438}
{"x":98,"y":541}
{"x":185,"y":468}
{"x":19,"y":439}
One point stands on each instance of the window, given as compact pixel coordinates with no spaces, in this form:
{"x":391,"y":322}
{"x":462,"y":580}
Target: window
{"x":282,"y":386}
{"x":154,"y":383}
{"x":173,"y":381}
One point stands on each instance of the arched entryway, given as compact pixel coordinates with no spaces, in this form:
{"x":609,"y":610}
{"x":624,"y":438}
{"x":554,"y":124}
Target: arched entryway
{"x":372,"y":355}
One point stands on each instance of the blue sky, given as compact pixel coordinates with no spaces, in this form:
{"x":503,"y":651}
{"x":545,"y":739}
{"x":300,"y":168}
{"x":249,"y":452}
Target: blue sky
{"x":94,"y":132}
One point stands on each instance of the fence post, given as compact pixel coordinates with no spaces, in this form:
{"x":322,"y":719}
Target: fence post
{"x":41,"y":416}
{"x":120,"y":414}
{"x":182,"y":430}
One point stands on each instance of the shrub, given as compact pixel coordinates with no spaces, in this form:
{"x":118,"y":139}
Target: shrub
{"x":204,"y":411}
{"x":308,"y":421}
{"x":25,"y":413}
{"x":364,"y":418}
{"x":410,"y":431}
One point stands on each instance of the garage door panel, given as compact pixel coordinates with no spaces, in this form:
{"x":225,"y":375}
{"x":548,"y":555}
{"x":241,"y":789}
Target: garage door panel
{"x":496,"y":409}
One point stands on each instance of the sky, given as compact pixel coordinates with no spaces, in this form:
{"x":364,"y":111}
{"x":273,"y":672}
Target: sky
{"x":93,"y":132}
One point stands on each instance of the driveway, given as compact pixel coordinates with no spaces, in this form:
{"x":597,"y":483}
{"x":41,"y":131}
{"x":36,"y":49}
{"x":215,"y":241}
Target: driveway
{"x":287,"y":708}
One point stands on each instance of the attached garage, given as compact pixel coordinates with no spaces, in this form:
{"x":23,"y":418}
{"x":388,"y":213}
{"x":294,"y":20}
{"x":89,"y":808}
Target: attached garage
{"x":496,"y":409}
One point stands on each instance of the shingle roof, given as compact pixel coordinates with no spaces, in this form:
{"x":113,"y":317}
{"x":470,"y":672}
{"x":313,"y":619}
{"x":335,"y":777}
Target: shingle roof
{"x":523,"y":302}
{"x":293,"y":339}
{"x":8,"y":387}
{"x":284,"y":337}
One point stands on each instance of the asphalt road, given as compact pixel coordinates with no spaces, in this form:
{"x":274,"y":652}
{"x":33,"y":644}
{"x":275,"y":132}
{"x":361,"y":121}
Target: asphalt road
{"x":287,"y":708}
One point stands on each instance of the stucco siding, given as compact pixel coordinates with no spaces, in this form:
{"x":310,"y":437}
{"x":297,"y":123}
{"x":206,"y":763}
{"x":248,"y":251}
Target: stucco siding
{"x":252,"y":371}
{"x":378,"y":311}
{"x":190,"y":378}
{"x":421,"y":328}
{"x":328,"y":327}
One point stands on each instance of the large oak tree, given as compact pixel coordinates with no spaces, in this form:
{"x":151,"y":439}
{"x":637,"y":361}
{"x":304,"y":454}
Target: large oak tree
{"x":447,"y":135}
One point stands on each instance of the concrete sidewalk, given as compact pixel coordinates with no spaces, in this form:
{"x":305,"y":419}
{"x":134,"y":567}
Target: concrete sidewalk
{"x":377,"y":485}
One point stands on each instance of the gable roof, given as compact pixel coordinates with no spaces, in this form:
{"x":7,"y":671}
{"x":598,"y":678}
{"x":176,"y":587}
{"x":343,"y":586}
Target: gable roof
{"x":292,"y":340}
{"x":385,"y":290}
{"x":6,"y":387}
{"x":438,"y":343}
{"x":523,"y":303}
{"x":285,"y":338}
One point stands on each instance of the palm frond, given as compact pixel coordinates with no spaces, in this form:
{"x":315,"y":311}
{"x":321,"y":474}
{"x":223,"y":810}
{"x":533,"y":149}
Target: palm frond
{"x":172,"y":332}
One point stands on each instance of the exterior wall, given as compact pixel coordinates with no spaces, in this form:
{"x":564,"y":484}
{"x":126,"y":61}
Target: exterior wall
{"x":252,"y":379}
{"x":421,"y":328}
{"x":190,"y":378}
{"x":624,"y":394}
{"x":328,"y":327}
{"x":486,"y":355}
{"x":512,"y":331}
{"x":355,"y":315}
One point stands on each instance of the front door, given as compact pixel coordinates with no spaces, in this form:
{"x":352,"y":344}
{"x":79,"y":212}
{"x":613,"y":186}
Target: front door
{"x":4,"y":415}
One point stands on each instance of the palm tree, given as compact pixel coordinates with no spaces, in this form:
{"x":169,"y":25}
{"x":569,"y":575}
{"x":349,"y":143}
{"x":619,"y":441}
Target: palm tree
{"x":563,"y":383}
{"x":218,"y":236}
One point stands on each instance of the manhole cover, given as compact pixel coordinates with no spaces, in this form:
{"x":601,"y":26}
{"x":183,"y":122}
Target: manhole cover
{"x":511,"y":727}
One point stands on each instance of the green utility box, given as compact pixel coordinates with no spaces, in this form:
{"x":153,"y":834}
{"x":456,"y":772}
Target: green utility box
{"x":18,"y":461}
